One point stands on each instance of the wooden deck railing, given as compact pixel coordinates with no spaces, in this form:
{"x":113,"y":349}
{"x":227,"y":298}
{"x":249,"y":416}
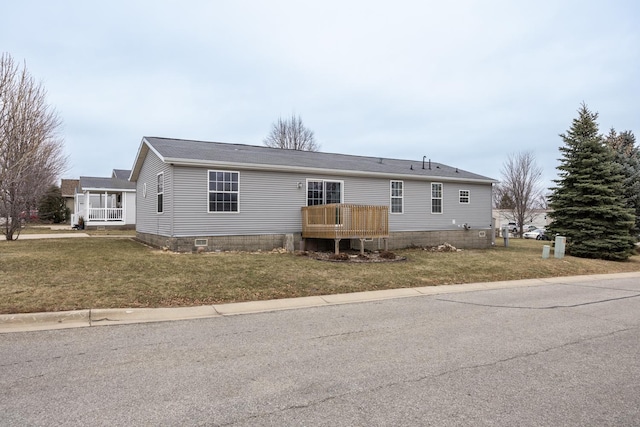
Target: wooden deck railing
{"x":343,"y":221}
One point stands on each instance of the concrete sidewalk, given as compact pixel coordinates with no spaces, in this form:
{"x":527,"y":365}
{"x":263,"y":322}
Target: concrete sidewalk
{"x":48,"y":236}
{"x":121,"y":316}
{"x":71,"y":234}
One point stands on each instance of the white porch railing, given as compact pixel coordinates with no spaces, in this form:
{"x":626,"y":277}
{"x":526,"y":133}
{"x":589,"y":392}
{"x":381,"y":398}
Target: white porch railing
{"x":105,"y":214}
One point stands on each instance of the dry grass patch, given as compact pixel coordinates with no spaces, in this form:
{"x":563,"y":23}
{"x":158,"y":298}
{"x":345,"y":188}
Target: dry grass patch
{"x":54,"y":275}
{"x":47,"y":229}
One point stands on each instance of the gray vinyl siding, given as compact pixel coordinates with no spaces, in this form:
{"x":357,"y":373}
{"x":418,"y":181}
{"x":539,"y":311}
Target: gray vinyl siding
{"x":417,"y":214}
{"x":270,"y":202}
{"x":147,"y":218}
{"x":417,"y":207}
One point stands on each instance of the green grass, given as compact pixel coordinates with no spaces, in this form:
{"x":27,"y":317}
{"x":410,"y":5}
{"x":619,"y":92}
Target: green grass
{"x":67,"y":274}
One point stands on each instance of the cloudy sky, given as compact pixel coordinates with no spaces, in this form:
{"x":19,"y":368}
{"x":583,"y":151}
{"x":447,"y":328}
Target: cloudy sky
{"x":465,"y":83}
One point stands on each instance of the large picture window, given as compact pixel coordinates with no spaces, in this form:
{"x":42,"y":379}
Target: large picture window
{"x":160,"y":193}
{"x":223,"y":191}
{"x":397,"y":197}
{"x":436,"y":198}
{"x":321,"y":192}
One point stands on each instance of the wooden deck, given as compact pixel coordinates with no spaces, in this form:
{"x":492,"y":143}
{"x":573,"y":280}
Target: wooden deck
{"x":344,"y":221}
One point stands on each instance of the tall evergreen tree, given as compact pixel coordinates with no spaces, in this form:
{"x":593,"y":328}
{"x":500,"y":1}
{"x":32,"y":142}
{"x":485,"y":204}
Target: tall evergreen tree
{"x":588,"y":202}
{"x":628,"y":156}
{"x":52,"y":206}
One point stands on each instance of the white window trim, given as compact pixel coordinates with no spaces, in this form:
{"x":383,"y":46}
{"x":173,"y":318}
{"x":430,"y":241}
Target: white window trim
{"x":441,"y":198}
{"x":468,"y":197}
{"x":306,"y":192}
{"x":391,"y":197}
{"x":209,"y":192}
{"x":158,"y":193}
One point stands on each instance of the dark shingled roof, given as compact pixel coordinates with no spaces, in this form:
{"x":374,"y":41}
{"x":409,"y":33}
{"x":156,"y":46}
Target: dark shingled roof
{"x":121,"y":173}
{"x":92,"y":182}
{"x":208,"y":153}
{"x":68,"y":187}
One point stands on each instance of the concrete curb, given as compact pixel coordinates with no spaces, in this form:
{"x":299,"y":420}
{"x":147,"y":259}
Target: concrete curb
{"x":122,"y":316}
{"x":44,"y":321}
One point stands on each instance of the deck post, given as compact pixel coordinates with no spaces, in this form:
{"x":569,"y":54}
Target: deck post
{"x":337,"y":246}
{"x":386,"y":244}
{"x":361,"y":246}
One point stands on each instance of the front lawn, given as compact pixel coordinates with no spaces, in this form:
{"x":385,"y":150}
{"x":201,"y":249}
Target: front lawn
{"x":67,"y":274}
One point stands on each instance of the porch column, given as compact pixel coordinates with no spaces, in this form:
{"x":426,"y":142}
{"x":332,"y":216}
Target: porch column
{"x":87,"y":201}
{"x":123,"y":197}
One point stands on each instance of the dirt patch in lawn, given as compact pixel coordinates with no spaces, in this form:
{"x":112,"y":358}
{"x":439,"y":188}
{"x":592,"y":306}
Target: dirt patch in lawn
{"x":355,"y":256}
{"x":375,"y":256}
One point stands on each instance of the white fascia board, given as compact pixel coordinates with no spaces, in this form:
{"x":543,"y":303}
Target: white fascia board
{"x":144,"y":148}
{"x":308,"y":170}
{"x":102,"y":189}
{"x":152,"y":148}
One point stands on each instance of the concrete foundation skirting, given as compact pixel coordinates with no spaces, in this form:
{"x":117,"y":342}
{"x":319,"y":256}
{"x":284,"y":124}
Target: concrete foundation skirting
{"x":110,"y":227}
{"x":264,"y":242}
{"x":465,"y":239}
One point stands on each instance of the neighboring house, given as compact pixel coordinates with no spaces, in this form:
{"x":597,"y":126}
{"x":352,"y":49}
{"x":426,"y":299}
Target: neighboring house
{"x":121,"y":174}
{"x":68,"y":189}
{"x":536,"y":217}
{"x":230,"y":196}
{"x":106,"y":202}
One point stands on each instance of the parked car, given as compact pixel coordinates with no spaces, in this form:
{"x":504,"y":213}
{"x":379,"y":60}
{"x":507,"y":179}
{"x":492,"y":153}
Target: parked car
{"x":538,"y":234}
{"x":534,"y":234}
{"x":544,"y":235}
{"x":512,"y":227}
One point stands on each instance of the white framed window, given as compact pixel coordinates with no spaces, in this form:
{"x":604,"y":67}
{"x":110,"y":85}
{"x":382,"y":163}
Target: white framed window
{"x":324,"y":192}
{"x":465,"y":196}
{"x":397,"y":196}
{"x":160,"y":193}
{"x":436,"y":198}
{"x":224,"y":191}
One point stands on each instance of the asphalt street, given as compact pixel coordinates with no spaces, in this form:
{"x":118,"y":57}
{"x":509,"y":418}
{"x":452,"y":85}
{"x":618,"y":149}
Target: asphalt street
{"x":546,"y":355}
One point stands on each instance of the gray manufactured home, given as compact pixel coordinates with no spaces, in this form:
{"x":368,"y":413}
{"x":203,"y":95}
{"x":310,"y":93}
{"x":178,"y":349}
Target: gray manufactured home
{"x":223,"y":196}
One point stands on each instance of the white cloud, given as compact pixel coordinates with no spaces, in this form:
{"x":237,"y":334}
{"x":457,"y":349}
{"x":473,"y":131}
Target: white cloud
{"x":467,"y":82}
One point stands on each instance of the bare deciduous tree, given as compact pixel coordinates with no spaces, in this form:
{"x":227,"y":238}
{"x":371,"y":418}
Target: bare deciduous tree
{"x":521,"y":183}
{"x":31,"y":152}
{"x":501,"y":198}
{"x":291,"y":134}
